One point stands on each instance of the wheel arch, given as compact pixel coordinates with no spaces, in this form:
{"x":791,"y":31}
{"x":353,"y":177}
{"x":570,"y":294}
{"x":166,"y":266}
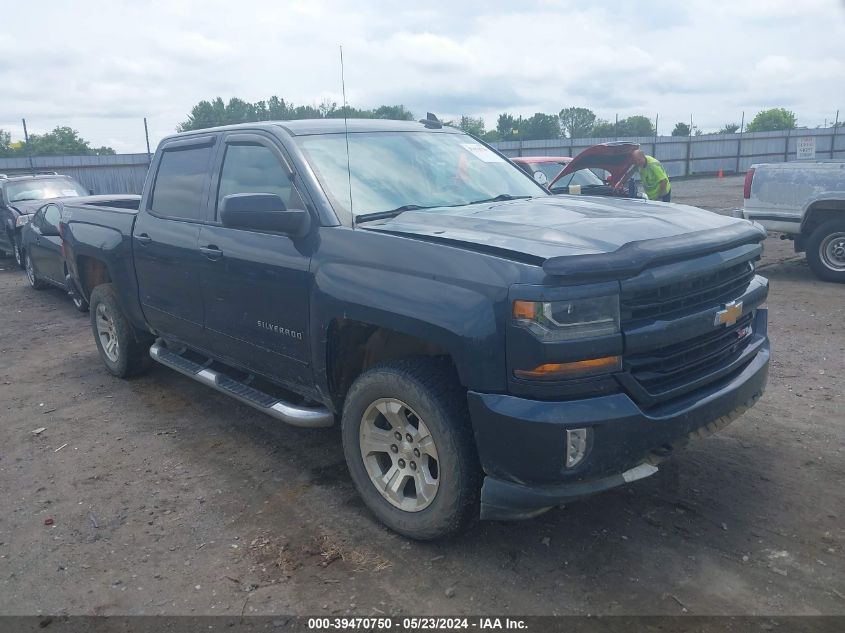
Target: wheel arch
{"x":354,"y":346}
{"x":91,"y":272}
{"x":820,"y":210}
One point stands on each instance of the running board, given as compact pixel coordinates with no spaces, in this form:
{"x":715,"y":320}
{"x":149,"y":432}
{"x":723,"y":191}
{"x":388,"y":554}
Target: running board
{"x":309,"y":417}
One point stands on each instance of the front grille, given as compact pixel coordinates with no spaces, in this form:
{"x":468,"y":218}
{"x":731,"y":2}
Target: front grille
{"x":666,"y":368}
{"x":709,"y":289}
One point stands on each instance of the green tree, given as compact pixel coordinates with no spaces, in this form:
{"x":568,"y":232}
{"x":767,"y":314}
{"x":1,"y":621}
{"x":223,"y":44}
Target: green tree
{"x":577,"y":122}
{"x":506,"y":127}
{"x":636,"y":125}
{"x":472,"y":125}
{"x":603,"y":128}
{"x":61,"y":141}
{"x":492,"y":136}
{"x":681,"y":129}
{"x":395,"y":112}
{"x":212,"y":113}
{"x":771,"y":120}
{"x":539,"y":126}
{"x":729,"y":128}
{"x":6,"y":143}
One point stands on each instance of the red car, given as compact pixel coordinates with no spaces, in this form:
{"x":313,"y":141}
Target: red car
{"x":558,"y":173}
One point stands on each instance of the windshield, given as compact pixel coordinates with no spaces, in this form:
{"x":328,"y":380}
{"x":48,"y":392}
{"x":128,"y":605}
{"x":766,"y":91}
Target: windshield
{"x":44,"y":188}
{"x":543,"y":172}
{"x":583,"y":177}
{"x":392,"y":170}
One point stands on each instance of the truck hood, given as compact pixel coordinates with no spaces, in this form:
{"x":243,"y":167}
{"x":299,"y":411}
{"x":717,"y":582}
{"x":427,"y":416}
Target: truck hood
{"x":547,"y":230}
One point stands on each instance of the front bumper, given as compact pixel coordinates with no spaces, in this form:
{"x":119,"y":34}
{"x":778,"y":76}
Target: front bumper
{"x":521,"y":442}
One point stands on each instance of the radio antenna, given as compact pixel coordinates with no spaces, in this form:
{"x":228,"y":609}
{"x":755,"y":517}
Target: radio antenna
{"x":346,"y":134}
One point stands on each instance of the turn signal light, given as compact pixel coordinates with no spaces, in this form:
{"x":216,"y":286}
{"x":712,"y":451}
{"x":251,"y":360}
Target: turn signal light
{"x":578,"y":369}
{"x":525,"y":310}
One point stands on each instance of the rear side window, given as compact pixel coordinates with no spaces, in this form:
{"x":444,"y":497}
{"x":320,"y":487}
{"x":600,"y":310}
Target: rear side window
{"x":180,"y":184}
{"x":255,"y":169}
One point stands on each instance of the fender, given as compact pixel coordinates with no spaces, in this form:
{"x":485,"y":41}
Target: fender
{"x":827,"y":196}
{"x":460,"y":320}
{"x":113,"y":250}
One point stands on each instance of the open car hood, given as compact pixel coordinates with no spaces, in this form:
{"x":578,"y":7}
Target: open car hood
{"x":615,"y":158}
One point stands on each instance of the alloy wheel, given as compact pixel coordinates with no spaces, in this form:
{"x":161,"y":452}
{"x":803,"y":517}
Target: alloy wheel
{"x":30,"y":271}
{"x":107,"y":333}
{"x":399,"y":454}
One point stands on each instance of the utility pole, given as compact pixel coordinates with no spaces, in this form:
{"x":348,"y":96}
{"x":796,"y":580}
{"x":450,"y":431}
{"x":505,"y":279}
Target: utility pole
{"x":26,"y":141}
{"x":147,"y":136}
{"x":689,"y":148}
{"x":739,"y":142}
{"x":654,"y":145}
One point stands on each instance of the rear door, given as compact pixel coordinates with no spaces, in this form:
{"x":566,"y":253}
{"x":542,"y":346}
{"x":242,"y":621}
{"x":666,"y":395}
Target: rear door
{"x":167,"y":259}
{"x":255,"y":284}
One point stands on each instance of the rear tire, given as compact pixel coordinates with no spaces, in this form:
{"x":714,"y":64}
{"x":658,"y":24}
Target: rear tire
{"x":16,"y":248}
{"x":428,"y":468}
{"x":122,"y":354}
{"x":826,"y":250}
{"x":34,"y":281}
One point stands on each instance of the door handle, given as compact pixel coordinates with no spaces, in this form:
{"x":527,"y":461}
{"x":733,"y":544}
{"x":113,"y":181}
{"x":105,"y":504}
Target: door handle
{"x":143,"y":239}
{"x":211,"y":252}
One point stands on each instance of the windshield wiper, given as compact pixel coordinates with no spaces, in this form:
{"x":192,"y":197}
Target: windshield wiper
{"x":500,"y":198}
{"x":392,"y":213}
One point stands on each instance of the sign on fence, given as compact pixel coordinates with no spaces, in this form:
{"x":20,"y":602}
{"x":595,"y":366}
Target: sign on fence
{"x":805,"y":148}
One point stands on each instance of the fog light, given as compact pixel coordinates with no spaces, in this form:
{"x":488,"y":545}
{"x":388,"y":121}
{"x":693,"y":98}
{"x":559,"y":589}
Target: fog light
{"x":576,"y":446}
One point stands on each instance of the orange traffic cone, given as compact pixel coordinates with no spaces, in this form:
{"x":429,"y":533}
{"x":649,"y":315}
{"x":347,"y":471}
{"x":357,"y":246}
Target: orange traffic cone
{"x":721,"y":173}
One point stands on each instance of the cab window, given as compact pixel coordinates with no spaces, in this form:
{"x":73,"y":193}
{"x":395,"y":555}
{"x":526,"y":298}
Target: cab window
{"x":180,"y":184}
{"x":254,"y":168}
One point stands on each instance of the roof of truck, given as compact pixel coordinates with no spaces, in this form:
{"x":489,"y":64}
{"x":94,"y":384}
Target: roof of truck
{"x":338,"y":126}
{"x":303,"y":127}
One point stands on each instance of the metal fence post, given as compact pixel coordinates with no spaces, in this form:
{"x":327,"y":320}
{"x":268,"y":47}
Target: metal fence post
{"x":833,"y":136}
{"x":739,"y":142}
{"x":689,"y":154}
{"x":786,"y":148}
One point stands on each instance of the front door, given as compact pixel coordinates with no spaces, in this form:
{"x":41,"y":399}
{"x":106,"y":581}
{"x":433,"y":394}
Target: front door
{"x":45,"y":250}
{"x":255,"y":284}
{"x":164,"y":240}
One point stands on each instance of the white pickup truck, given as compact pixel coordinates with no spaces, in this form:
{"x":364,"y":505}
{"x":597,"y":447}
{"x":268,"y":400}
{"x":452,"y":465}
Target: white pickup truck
{"x":805,"y":201}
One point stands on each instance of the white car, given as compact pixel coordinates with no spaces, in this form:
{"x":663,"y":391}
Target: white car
{"x":806,"y":202}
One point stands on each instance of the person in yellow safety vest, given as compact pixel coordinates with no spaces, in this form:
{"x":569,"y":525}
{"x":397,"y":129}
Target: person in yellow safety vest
{"x":654,"y":178}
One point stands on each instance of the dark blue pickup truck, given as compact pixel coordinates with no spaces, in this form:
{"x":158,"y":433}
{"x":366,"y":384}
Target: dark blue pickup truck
{"x":488,"y":349}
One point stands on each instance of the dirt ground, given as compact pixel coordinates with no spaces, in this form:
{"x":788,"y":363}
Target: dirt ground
{"x":160,"y":496}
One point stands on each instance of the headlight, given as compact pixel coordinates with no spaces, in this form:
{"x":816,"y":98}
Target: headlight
{"x":568,"y":320}
{"x":22,"y":219}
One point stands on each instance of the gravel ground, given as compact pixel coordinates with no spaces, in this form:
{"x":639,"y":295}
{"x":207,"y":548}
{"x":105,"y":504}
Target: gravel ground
{"x":160,"y":496}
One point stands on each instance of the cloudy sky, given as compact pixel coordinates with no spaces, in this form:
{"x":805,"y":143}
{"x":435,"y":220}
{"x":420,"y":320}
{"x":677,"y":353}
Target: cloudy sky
{"x":100,"y":67}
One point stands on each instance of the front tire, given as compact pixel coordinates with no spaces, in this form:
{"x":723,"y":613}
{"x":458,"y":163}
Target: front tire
{"x":409,"y":447}
{"x":122,"y":354}
{"x":826,"y":251}
{"x":34,"y":281}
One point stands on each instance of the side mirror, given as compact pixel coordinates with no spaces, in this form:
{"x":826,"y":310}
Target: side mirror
{"x":49,"y":231}
{"x":263,"y":212}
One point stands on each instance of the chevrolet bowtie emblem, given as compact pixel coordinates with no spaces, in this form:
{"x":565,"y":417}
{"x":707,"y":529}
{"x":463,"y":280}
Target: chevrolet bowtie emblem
{"x":730,"y":314}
